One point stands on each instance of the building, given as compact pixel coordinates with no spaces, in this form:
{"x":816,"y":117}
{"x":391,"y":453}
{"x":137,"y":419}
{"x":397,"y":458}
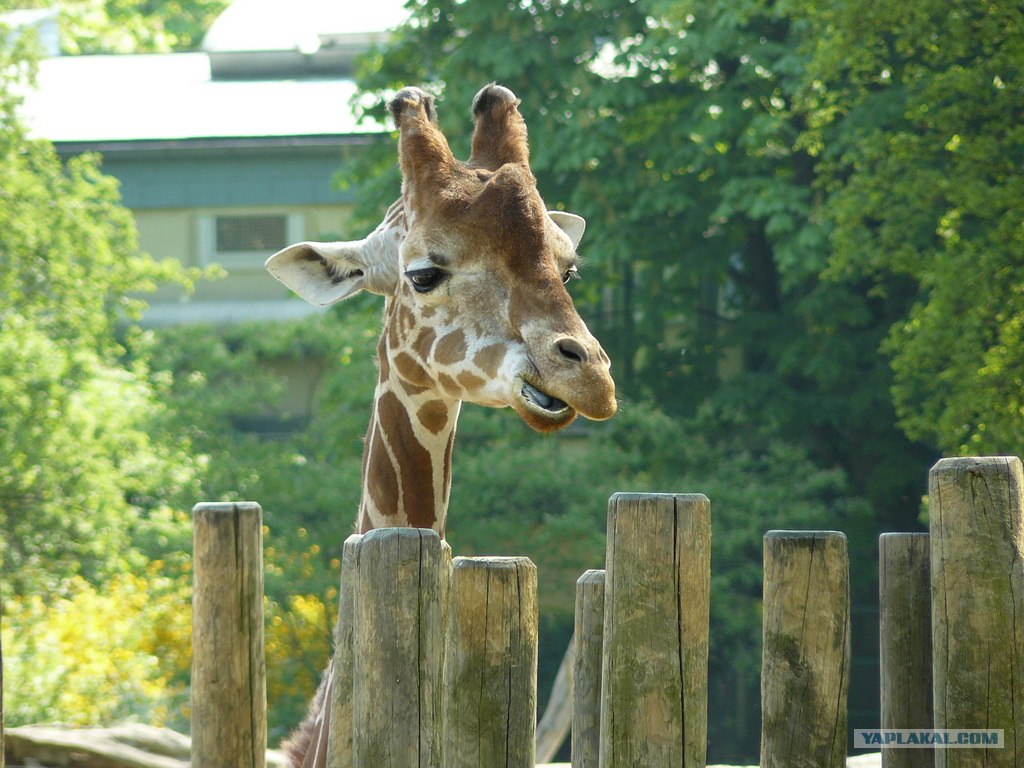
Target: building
{"x":225,"y":155}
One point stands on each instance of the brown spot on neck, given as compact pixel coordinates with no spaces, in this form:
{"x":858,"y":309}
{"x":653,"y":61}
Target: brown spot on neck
{"x":433,"y":415}
{"x":470,"y":382}
{"x":381,"y":476}
{"x":410,"y":370}
{"x":489,"y":359}
{"x":452,"y":348}
{"x":413,"y":463}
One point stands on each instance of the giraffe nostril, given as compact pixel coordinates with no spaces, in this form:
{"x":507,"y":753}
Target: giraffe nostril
{"x":572,"y":350}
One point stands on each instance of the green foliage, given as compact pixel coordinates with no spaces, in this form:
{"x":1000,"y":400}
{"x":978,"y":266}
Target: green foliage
{"x":276,"y":414}
{"x":517,"y":493}
{"x":131,"y":26}
{"x":915,"y":112}
{"x":676,"y":130}
{"x":775,"y":193}
{"x":91,"y":625}
{"x":99,"y":654}
{"x":79,"y":465}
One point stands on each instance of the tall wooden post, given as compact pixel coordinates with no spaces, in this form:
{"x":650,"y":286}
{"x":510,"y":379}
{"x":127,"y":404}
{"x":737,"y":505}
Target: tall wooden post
{"x":402,"y":585}
{"x":229,"y":692}
{"x":586,"y":689}
{"x":339,"y":742}
{"x":806,"y":650}
{"x":977,"y":561}
{"x":905,"y":642}
{"x":491,"y":665}
{"x":654,"y":666}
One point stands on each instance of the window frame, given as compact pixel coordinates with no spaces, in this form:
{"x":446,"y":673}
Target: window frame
{"x":207,"y":239}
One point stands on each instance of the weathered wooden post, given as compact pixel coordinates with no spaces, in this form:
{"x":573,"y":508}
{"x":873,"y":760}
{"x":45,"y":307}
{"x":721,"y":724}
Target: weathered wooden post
{"x":806,"y":650}
{"x":401,"y":599}
{"x":229,"y":692}
{"x":905,"y":642}
{"x":654,"y":664}
{"x":977,"y":569}
{"x":586,"y":689}
{"x":339,"y":742}
{"x":491,"y":664}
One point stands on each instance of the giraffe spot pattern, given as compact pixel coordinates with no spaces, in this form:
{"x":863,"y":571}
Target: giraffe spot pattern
{"x":416,"y":476}
{"x":425,"y":341}
{"x":449,"y":385}
{"x":382,"y":483}
{"x":412,"y":389}
{"x":489,"y":359}
{"x":470,"y":381}
{"x":433,"y":415}
{"x":452,"y":348}
{"x":411,"y":370}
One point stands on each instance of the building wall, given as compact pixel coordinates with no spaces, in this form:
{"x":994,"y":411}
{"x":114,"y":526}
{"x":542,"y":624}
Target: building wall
{"x":246,"y":290}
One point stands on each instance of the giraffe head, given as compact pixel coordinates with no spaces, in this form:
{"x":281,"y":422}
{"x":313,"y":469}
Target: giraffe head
{"x":474,"y":270}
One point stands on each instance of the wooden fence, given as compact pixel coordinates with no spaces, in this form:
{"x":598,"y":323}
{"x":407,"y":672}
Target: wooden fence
{"x":436,"y":658}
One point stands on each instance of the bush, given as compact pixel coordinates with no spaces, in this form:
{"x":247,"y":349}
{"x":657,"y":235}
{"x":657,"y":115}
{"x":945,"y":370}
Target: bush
{"x":92,"y":656}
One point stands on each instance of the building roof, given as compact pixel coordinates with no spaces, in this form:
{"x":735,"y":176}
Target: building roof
{"x":85,"y":99}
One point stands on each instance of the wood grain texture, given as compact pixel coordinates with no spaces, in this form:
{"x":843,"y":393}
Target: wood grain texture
{"x":229,"y":690}
{"x":586,"y":688}
{"x":905,"y":642}
{"x":654,"y":663}
{"x":806,"y":650}
{"x":977,"y":581}
{"x":491,"y":664}
{"x":339,"y":742}
{"x":402,"y":585}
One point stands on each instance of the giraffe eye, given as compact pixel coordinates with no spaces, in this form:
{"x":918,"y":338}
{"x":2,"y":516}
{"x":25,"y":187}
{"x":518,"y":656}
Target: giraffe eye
{"x":571,"y":274}
{"x":427,"y":279}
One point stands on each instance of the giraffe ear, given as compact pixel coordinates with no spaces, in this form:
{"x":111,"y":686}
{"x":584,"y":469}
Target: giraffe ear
{"x":571,"y":224}
{"x":326,"y":273}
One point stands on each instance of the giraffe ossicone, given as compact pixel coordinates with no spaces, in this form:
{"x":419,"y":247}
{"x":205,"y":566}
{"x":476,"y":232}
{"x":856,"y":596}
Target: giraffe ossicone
{"x":473,"y":270}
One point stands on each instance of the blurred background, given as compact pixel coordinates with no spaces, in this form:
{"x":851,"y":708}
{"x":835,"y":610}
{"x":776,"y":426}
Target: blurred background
{"x":804,"y":254}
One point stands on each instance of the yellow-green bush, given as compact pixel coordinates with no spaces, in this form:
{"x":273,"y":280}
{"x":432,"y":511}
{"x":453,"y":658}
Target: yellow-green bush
{"x":88,"y":656}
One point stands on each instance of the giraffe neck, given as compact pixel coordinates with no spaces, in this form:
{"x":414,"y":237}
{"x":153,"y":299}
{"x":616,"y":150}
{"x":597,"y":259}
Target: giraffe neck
{"x":407,"y":457}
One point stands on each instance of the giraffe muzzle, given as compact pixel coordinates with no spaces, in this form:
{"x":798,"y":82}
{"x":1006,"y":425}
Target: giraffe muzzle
{"x":543,"y":400}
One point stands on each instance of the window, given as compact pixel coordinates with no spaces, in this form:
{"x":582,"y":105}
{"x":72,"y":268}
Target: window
{"x":245,"y":240}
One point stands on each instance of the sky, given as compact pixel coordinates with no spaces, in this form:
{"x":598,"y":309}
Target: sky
{"x":277,"y":24}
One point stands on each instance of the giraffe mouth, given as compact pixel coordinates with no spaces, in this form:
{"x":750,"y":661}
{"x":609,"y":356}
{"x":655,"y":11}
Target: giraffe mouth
{"x":542,"y":411}
{"x":542,"y":400}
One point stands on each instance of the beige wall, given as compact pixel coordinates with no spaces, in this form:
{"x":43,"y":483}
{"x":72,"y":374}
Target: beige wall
{"x":174,"y":234}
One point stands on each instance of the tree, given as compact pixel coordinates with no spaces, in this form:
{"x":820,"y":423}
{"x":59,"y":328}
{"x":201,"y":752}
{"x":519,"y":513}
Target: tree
{"x":915,"y":114}
{"x":79,"y":467}
{"x":130,"y":26}
{"x":674,"y":129}
{"x":679,"y":131}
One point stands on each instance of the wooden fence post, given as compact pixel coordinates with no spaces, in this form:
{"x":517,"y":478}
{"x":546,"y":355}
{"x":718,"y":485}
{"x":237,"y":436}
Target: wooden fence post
{"x":905,"y":642}
{"x":654,"y":664}
{"x":229,"y":692}
{"x":491,"y":664}
{"x":806,"y":650}
{"x":977,"y":540}
{"x":401,"y":600}
{"x":339,"y":741}
{"x":586,"y":688}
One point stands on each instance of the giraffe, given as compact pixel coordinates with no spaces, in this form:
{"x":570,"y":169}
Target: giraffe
{"x":473,"y":271}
